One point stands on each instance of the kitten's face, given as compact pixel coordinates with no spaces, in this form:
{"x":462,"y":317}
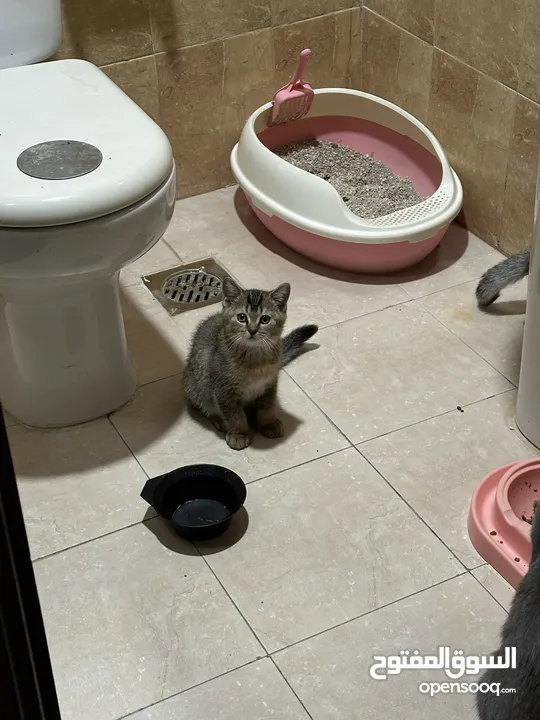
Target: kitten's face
{"x":254,"y":318}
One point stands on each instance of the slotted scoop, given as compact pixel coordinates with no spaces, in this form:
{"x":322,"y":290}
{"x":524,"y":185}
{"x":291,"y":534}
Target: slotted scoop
{"x":294,"y":100}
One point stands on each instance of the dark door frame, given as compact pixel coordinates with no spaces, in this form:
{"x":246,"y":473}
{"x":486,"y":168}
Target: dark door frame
{"x":26,"y":678}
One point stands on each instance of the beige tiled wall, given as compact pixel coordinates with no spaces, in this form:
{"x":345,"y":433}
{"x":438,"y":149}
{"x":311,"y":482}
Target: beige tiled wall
{"x":471,"y":71}
{"x":200,"y":67}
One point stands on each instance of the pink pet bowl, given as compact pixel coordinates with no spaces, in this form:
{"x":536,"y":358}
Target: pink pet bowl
{"x":306,"y":213}
{"x":498,"y":524}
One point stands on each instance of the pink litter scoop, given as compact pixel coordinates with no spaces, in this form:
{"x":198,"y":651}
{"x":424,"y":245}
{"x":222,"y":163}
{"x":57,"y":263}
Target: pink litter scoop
{"x":294,"y":100}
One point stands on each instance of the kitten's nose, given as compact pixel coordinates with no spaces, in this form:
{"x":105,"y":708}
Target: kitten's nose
{"x":252,"y":331}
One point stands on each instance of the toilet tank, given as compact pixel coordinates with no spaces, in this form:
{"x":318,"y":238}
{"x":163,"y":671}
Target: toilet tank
{"x":30,"y":31}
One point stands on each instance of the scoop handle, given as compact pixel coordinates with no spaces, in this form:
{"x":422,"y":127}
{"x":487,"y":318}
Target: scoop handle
{"x":302,"y":60}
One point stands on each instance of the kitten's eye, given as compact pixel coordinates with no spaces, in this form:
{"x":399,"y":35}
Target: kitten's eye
{"x":265,"y":319}
{"x":241,"y":317}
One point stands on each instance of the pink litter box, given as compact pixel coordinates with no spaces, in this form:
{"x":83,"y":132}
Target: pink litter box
{"x":499,"y":518}
{"x":306,"y":213}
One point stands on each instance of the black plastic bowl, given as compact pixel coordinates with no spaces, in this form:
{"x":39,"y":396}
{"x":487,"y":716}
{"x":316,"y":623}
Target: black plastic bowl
{"x":198,"y":500}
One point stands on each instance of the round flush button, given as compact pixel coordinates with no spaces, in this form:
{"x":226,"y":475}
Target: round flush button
{"x":59,"y":160}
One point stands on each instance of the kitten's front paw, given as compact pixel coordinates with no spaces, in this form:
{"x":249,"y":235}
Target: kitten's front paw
{"x":237,"y":441}
{"x":272,"y":429}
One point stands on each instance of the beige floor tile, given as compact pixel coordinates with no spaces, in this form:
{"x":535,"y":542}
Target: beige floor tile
{"x":131,"y":621}
{"x":389,"y":369}
{"x":326,"y":542}
{"x":496,"y":335}
{"x":158,"y":343}
{"x":255,"y":692}
{"x":75,"y":484}
{"x":222,"y":224}
{"x":158,"y":258}
{"x":163,"y":435}
{"x":436,"y":465}
{"x":495,"y":585}
{"x":330,"y":673}
{"x":137,"y":619}
{"x":460,"y":257}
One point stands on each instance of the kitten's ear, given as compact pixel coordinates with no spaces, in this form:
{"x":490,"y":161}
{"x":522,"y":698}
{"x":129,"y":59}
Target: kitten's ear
{"x":231,"y":291}
{"x":281,"y":295}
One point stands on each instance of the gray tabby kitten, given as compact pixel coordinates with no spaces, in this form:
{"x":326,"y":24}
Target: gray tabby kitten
{"x":235,"y":358}
{"x":500,"y":276}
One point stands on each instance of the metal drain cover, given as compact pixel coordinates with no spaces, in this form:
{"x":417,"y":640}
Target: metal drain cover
{"x":187,"y":287}
{"x":192,"y":287}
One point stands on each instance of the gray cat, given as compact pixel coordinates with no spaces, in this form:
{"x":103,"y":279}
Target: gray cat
{"x":500,"y":276}
{"x":522,"y":631}
{"x":235,"y":358}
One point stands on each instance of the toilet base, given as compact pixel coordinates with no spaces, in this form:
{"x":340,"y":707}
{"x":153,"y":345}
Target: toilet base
{"x":63,"y":352}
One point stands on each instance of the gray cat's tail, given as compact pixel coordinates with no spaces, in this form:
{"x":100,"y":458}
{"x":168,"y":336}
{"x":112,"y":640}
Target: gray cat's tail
{"x":293,"y":342}
{"x":500,"y":276}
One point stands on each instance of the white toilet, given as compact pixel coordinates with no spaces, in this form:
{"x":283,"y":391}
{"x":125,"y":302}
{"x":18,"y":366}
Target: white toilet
{"x":87,"y":185}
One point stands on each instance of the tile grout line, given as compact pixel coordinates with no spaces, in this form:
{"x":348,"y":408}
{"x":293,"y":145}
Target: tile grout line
{"x":311,"y":400}
{"x":433,"y":44}
{"x":488,"y":362}
{"x":149,"y":272}
{"x":416,"y":513}
{"x":453,"y":286}
{"x":266,"y":477}
{"x":463,"y":573}
{"x":390,"y":432}
{"x":119,"y":434}
{"x":402,"y":286}
{"x":145,"y":520}
{"x":356,"y":447}
{"x":191,"y":687}
{"x":90,"y":540}
{"x":389,"y":306}
{"x":408,"y":300}
{"x":270,"y":655}
{"x":274,"y":663}
{"x":232,"y":601}
{"x":171,"y":247}
{"x":434,"y":417}
{"x":298,"y":465}
{"x":471,"y":572}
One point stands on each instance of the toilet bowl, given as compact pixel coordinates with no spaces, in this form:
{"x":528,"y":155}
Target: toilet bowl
{"x":87,"y":186}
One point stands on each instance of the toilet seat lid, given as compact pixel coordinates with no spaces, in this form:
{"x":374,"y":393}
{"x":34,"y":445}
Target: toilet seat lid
{"x":74,"y":102}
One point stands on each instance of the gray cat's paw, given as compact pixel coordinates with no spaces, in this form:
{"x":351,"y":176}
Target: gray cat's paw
{"x":237,"y":441}
{"x":273,"y":429}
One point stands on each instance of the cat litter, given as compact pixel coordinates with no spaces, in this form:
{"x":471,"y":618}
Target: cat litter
{"x":368,"y":187}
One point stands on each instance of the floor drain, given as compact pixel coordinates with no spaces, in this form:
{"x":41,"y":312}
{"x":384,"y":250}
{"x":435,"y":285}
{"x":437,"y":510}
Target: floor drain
{"x":187,"y":287}
{"x":192,"y":286}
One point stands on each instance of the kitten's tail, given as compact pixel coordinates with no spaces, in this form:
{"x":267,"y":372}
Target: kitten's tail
{"x":500,"y":276}
{"x":293,"y":342}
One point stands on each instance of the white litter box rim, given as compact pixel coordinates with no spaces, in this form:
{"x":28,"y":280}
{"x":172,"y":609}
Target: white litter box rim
{"x":296,"y":196}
